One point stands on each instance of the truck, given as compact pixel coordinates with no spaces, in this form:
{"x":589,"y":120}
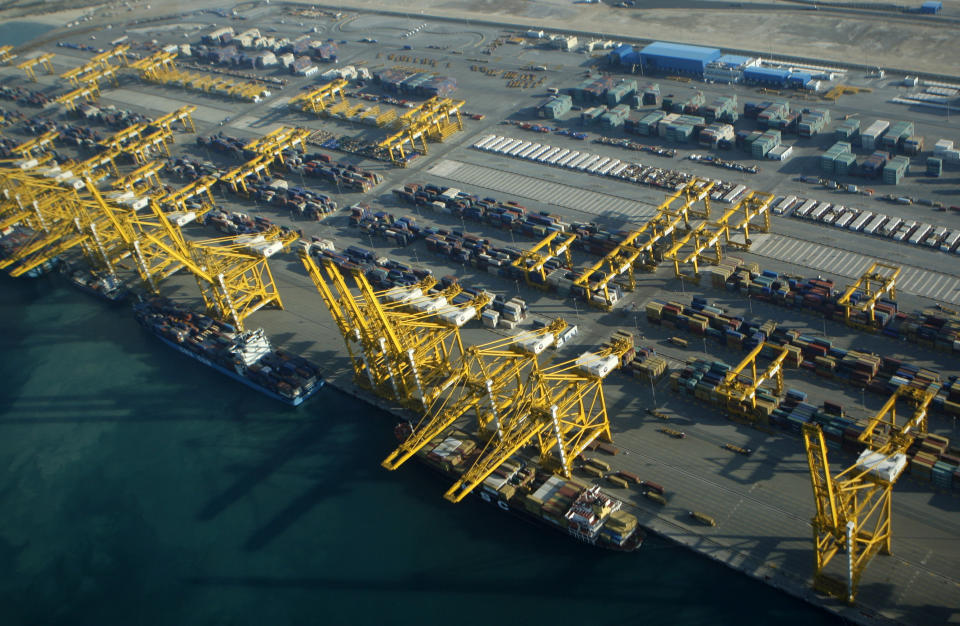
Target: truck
{"x":702,"y":518}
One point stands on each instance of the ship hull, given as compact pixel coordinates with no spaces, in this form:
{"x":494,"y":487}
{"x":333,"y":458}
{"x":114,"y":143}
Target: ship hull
{"x":242,"y":379}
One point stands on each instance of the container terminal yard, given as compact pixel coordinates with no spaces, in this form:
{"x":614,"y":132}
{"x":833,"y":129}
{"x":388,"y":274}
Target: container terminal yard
{"x":719,"y":287}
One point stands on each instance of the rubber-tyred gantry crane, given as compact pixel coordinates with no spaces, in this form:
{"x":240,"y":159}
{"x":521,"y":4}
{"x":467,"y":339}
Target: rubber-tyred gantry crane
{"x":43,"y":60}
{"x":532,"y":261}
{"x":878,"y":281}
{"x":741,"y":395}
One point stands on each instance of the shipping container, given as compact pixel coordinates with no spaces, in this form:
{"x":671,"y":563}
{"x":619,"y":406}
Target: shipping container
{"x":484,"y":141}
{"x":609,"y":166}
{"x":549,"y":154}
{"x":950,"y":241}
{"x":920,"y":234}
{"x":569,"y":157}
{"x":539,"y":152}
{"x":805,"y":208}
{"x":875,"y":223}
{"x":818,"y":212}
{"x":862,"y":220}
{"x":588,"y":162}
{"x":583,"y":158}
{"x":525,"y":154}
{"x":933,"y":240}
{"x":593,"y":168}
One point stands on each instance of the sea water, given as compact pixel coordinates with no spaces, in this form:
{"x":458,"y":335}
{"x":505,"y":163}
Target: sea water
{"x":140,"y":487}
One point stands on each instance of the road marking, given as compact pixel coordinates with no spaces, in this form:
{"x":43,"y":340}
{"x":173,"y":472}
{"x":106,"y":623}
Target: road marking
{"x":913,"y":280}
{"x":590,"y":202}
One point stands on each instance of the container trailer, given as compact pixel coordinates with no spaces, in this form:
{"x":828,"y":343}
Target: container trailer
{"x":920,"y":234}
{"x":536,"y":154}
{"x":596,"y":166}
{"x":805,"y":208}
{"x":950,"y":242}
{"x":871,"y":227}
{"x":483,"y":142}
{"x":818,"y":212}
{"x":861,"y":221}
{"x":934,"y":239}
{"x":588,"y":162}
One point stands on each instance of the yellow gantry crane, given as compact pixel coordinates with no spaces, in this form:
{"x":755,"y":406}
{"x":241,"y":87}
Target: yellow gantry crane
{"x":39,"y":144}
{"x":141,"y":179}
{"x":42,"y":60}
{"x":741,"y":395}
{"x":707,"y":234}
{"x":318,"y":100}
{"x":161,"y":67}
{"x":854,"y":507}
{"x":637,"y":248}
{"x":485,"y":382}
{"x":6,"y":55}
{"x":560,"y":409}
{"x":183,"y":115}
{"x":878,"y":281}
{"x":73,"y":99}
{"x":532,"y":261}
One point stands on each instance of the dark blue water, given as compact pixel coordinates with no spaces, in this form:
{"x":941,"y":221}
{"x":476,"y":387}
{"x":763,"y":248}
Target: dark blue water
{"x":17,"y":33}
{"x":138,"y":487}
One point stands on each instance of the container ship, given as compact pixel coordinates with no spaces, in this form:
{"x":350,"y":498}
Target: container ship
{"x":246,"y":356}
{"x":569,"y":506}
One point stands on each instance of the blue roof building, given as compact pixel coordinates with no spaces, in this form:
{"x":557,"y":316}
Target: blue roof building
{"x":931,"y":8}
{"x":677,"y":58}
{"x":766,"y":76}
{"x":624,"y":55}
{"x":733,"y":60}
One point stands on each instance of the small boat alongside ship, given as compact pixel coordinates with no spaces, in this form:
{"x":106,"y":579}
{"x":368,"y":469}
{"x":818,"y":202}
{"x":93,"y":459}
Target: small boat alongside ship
{"x":245,"y":356}
{"x":106,"y":286}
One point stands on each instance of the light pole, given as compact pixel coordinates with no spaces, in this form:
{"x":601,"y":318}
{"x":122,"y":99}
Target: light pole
{"x":682,"y":289}
{"x":750,"y":303}
{"x":653,"y":391}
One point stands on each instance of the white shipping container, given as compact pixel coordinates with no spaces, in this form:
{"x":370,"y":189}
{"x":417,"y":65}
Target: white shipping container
{"x":596,"y":166}
{"x":483,"y":141}
{"x":933,"y":240}
{"x":875,"y":223}
{"x":891,"y":227}
{"x":950,"y":241}
{"x":616,"y":171}
{"x":525,"y":154}
{"x":845,"y":219}
{"x":784,"y":205}
{"x":735,"y":194}
{"x":567,"y":159}
{"x":507,"y":147}
{"x":574,"y":164}
{"x":862,"y":220}
{"x":588,"y":162}
{"x":920,"y":234}
{"x":609,"y":166}
{"x":518,"y":149}
{"x":805,"y":208}
{"x":495,"y":145}
{"x":543,"y":158}
{"x":536,"y":154}
{"x":818,"y":212}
